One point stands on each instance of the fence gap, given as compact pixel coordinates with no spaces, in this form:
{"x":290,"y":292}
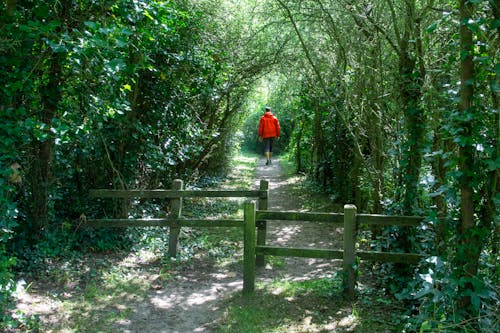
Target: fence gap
{"x":262,"y":225}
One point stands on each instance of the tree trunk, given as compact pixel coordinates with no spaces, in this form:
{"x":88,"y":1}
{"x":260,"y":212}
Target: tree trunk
{"x":41,"y":172}
{"x":298,"y":147}
{"x":468,"y":250}
{"x":411,"y":94}
{"x":439,"y":170}
{"x":495,"y":174}
{"x":411,"y":73}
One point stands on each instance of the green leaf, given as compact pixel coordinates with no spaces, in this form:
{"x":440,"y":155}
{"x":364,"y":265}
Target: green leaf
{"x":493,"y":164}
{"x":146,"y":13}
{"x":426,"y":290}
{"x":475,"y":300}
{"x":497,"y":69}
{"x":496,"y":24}
{"x":91,"y":25}
{"x":426,"y":326}
{"x":432,"y":27}
{"x":41,"y":11}
{"x":442,"y":189}
{"x":495,"y":86}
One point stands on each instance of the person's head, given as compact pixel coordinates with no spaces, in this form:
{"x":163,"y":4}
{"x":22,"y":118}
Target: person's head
{"x":268,"y":109}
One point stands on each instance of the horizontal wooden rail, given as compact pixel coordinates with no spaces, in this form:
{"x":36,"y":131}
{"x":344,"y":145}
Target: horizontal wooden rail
{"x":177,"y":194}
{"x":299,"y":252}
{"x":381,"y":220}
{"x":386,"y":220}
{"x":300,"y":216}
{"x":162,"y":222}
{"x":394,"y":257}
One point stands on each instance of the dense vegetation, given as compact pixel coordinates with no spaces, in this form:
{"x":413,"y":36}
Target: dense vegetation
{"x":391,"y":105}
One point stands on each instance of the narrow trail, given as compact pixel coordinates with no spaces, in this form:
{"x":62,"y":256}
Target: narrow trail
{"x":193,"y":301}
{"x":194,"y":298}
{"x":295,"y":234}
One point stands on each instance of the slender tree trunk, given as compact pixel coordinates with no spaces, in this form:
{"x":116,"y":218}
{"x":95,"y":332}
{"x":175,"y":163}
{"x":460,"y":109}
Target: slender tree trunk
{"x":412,"y":73}
{"x":298,"y":147}
{"x":495,"y":174}
{"x":41,"y":172}
{"x":11,"y":6}
{"x":415,"y":127}
{"x":468,"y":251}
{"x":439,"y":170}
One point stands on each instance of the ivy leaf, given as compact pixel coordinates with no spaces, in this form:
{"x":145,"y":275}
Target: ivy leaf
{"x":432,"y":27}
{"x":475,"y":300}
{"x":427,"y":289}
{"x":495,"y":86}
{"x":442,"y":189}
{"x":493,"y":164}
{"x":496,"y":23}
{"x":425,"y":327}
{"x":41,"y":12}
{"x":91,"y":25}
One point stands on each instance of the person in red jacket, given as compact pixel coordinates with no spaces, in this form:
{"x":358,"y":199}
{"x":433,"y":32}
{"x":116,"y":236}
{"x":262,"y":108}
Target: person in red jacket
{"x":269,"y":129}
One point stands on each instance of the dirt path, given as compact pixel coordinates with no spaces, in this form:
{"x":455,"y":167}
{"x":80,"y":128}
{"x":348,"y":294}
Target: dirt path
{"x":192,"y":300}
{"x":295,"y":234}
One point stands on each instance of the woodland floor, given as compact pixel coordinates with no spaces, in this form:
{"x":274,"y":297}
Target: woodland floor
{"x":197,"y":296}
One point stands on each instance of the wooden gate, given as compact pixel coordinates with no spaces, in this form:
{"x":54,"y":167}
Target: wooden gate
{"x":350,"y":220}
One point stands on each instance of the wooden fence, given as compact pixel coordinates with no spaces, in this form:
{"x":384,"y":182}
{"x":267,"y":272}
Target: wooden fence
{"x":254,"y":225}
{"x":175,"y":220}
{"x":350,"y":220}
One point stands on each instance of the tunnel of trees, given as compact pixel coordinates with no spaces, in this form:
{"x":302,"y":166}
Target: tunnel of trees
{"x":390,"y":105}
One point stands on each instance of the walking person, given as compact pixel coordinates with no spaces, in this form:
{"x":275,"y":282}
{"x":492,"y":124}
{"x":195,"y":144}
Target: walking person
{"x":269,"y":130}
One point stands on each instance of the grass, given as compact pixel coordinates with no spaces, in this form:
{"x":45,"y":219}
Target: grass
{"x":106,"y":302}
{"x":305,"y":306}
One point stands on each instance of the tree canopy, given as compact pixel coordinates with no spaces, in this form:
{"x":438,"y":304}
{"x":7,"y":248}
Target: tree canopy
{"x":391,"y":105}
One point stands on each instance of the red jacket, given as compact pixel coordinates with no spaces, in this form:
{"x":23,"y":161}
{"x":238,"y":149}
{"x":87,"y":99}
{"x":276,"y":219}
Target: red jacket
{"x":269,"y":127}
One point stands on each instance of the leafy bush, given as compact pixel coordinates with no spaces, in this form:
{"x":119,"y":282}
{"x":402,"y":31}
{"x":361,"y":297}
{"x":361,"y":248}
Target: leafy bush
{"x":436,"y":290}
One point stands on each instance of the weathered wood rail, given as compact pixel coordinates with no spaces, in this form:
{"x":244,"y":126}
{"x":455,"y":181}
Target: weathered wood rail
{"x":350,"y":220}
{"x":175,"y":220}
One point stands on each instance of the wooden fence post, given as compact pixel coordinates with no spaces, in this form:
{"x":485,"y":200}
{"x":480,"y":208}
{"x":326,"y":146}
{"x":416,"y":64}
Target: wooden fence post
{"x":262,"y":226}
{"x":349,"y":274}
{"x":176,"y":211}
{"x":249,"y":248}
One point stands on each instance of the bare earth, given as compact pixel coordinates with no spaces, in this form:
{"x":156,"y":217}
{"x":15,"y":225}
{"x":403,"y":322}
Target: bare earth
{"x":193,"y":299}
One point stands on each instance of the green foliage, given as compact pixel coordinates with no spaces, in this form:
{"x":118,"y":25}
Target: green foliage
{"x":7,"y":285}
{"x":437,"y":292}
{"x":132,"y":94}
